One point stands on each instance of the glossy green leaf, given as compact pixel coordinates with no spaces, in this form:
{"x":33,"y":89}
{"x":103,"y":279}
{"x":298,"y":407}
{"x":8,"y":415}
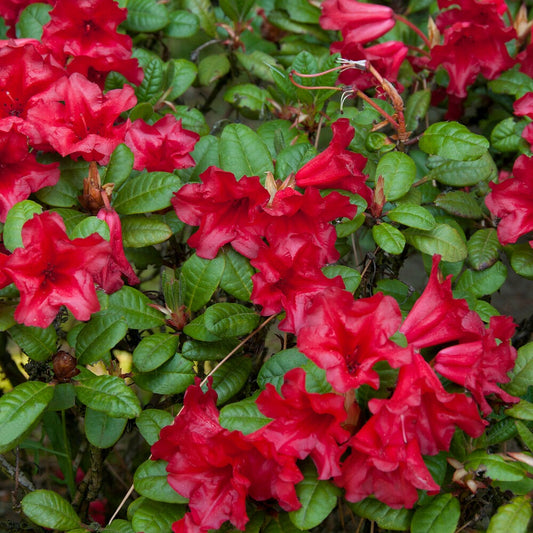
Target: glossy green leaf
{"x":150,"y":423}
{"x":513,"y":516}
{"x":37,"y":343}
{"x":275,"y":368}
{"x":150,"y":480}
{"x":302,"y":11}
{"x":205,"y":154}
{"x":196,"y":329}
{"x":382,"y":514}
{"x":191,"y":118}
{"x":6,"y":316}
{"x":120,"y":166}
{"x":66,"y":191}
{"x":247,"y":97}
{"x":102,"y":430}
{"x":460,"y":203}
{"x":146,"y":192}
{"x":181,"y":74}
{"x":109,"y":395}
{"x":213,"y":67}
{"x":522,"y":260}
{"x":512,"y":82}
{"x":156,"y":517}
{"x":350,"y":276}
{"x":236,"y":10}
{"x":237,"y":276}
{"x":139,"y":231}
{"x":48,"y":509}
{"x":485,"y":282}
{"x":522,"y":373}
{"x":483,"y":248}
{"x":31,"y":21}
{"x":230,"y":378}
{"x":440,"y":516}
{"x":118,"y":526}
{"x":453,"y":141}
{"x":522,"y":410}
{"x":200,"y":278}
{"x":501,"y":431}
{"x":416,"y":108}
{"x":525,"y":434}
{"x":172,"y":377}
{"x":182,"y":24}
{"x":258,"y":64}
{"x":243,"y":416}
{"x":151,"y":88}
{"x":507,"y":136}
{"x":399,"y":173}
{"x":204,"y":11}
{"x":154,"y":350}
{"x":146,"y":16}
{"x":17,"y":216}
{"x":443,"y":240}
{"x":292,"y":158}
{"x":243,"y":153}
{"x":462,"y":173}
{"x":134,"y":306}
{"x":389,"y":238}
{"x":20,"y":409}
{"x":230,"y":320}
{"x":318,"y":499}
{"x":88,"y":226}
{"x":413,"y":216}
{"x":195,"y":350}
{"x":64,"y":397}
{"x":495,"y":466}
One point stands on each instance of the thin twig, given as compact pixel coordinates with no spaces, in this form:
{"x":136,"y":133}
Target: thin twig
{"x":11,"y":472}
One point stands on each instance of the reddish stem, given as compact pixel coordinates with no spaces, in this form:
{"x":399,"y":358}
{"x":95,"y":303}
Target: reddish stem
{"x":416,"y":29}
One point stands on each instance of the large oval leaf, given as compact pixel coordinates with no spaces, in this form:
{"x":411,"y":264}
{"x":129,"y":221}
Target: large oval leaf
{"x":200,"y":278}
{"x":237,"y":276}
{"x":440,"y":516}
{"x":102,"y":430}
{"x":443,"y":240}
{"x":135,"y":308}
{"x":389,"y":238}
{"x":16,"y":217}
{"x":154,"y":350}
{"x":156,"y":517}
{"x":48,"y":509}
{"x":243,"y":416}
{"x":462,"y":173}
{"x":514,"y":516}
{"x":399,"y":173}
{"x":230,"y":320}
{"x":38,"y":343}
{"x":151,"y":421}
{"x":172,"y":377}
{"x":230,"y":378}
{"x":139,"y":231}
{"x":150,"y":480}
{"x":146,"y":16}
{"x":483,"y":248}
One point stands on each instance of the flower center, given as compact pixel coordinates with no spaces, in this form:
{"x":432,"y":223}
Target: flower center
{"x":352,"y":364}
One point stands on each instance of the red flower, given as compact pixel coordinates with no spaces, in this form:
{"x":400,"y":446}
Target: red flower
{"x":347,"y":337}
{"x":21,"y":173}
{"x":479,"y":365}
{"x":305,"y":423}
{"x":75,"y":118}
{"x":163,"y":146}
{"x":51,"y":270}
{"x":227,"y":211}
{"x":512,"y":201}
{"x":336,"y":167}
{"x":216,"y":468}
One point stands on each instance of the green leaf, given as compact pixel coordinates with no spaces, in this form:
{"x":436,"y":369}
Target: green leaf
{"x":200,"y":278}
{"x":230,"y":320}
{"x":181,"y":74}
{"x":31,"y":21}
{"x":302,"y":11}
{"x":485,"y":282}
{"x":514,"y":516}
{"x":64,"y":397}
{"x":237,"y":276}
{"x":243,"y":153}
{"x":460,"y":204}
{"x":150,"y":423}
{"x":525,"y":434}
{"x":207,"y":351}
{"x":134,"y":306}
{"x":98,"y":336}
{"x":149,"y":191}
{"x":48,"y":509}
{"x":196,"y":329}
{"x":382,"y":514}
{"x":154,"y":350}
{"x":205,"y":154}
{"x":88,"y":226}
{"x":6,"y":316}
{"x":191,"y":118}
{"x":182,"y":24}
{"x":522,"y":410}
{"x":453,"y":141}
{"x":507,"y":136}
{"x":20,"y":408}
{"x":146,"y":16}
{"x":139,"y":231}
{"x":257,"y":64}
{"x":292,"y":158}
{"x":399,"y":173}
{"x":413,"y":216}
{"x":501,"y":431}
{"x":151,"y":88}
{"x":118,"y":526}
{"x":247,"y":97}
{"x":230,"y":378}
{"x":120,"y":166}
{"x":387,"y":237}
{"x":243,"y":416}
{"x":522,"y":373}
{"x":462,"y":173}
{"x":512,"y":82}
{"x":236,"y":10}
{"x":318,"y":499}
{"x":495,"y":466}
{"x":440,"y":516}
{"x":66,"y":191}
{"x":213,"y":67}
{"x":16,"y":217}
{"x":70,"y":217}
{"x":156,"y":517}
{"x":173,"y":377}
{"x":443,"y":240}
{"x":150,"y":480}
{"x":37,"y":343}
{"x":416,"y":108}
{"x":108,"y":394}
{"x":483,"y":248}
{"x":275,"y":368}
{"x":103,"y":431}
{"x":204,"y":11}
{"x":350,"y":276}
{"x":522,"y":260}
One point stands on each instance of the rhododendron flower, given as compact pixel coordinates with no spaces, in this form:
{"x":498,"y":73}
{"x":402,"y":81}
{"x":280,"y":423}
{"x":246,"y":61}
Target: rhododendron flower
{"x":512,"y":201}
{"x":347,"y":337}
{"x":481,"y":364}
{"x":76,"y":118}
{"x":110,"y":277}
{"x":363,"y":22}
{"x":227,"y":211}
{"x":162,"y":146}
{"x":305,"y":423}
{"x":216,"y":468}
{"x":51,"y":270}
{"x":336,"y":167}
{"x":524,"y":107}
{"x":21,"y":173}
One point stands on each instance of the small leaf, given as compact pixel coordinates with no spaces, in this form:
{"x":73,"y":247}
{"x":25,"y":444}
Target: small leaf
{"x":31,"y":21}
{"x":16,"y":217}
{"x":200,"y":278}
{"x":292,"y":158}
{"x":173,"y":377}
{"x":48,"y":509}
{"x":154,"y":350}
{"x":230,"y":320}
{"x":204,"y":11}
{"x":230,"y":378}
{"x":274,"y":369}
{"x":182,"y":24}
{"x":350,"y":276}
{"x":453,"y":141}
{"x":513,"y":516}
{"x":146,"y":16}
{"x":413,"y":216}
{"x":207,"y":351}
{"x":382,"y":514}
{"x":181,"y":73}
{"x":416,"y":108}
{"x":387,"y":237}
{"x":139,"y":231}
{"x":135,"y":308}
{"x":496,"y":467}
{"x":522,"y":260}
{"x":247,"y":96}
{"x":522,"y":373}
{"x":237,"y":276}
{"x":150,"y":480}
{"x":103,"y":431}
{"x":37,"y":343}
{"x":243,"y":416}
{"x":507,"y":136}
{"x":525,"y":434}
{"x":151,"y":421}
{"x":485,"y":282}
{"x":66,"y":191}
{"x":443,"y":240}
{"x":483,"y":248}
{"x":258,"y":64}
{"x":213,"y":67}
{"x":399,"y":173}
{"x":460,"y":203}
{"x":522,"y":410}
{"x":151,"y":88}
{"x":512,"y":82}
{"x":118,"y":526}
{"x":120,"y":166}
{"x":196,"y":329}
{"x":462,"y":173}
{"x":440,"y":516}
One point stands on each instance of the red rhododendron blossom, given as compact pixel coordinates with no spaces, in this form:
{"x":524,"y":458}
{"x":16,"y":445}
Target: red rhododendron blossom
{"x":347,"y":337}
{"x":524,"y":107}
{"x":289,"y":276}
{"x":76,"y":118}
{"x":163,"y":146}
{"x":364,"y":22}
{"x":336,"y":167}
{"x":386,"y":465}
{"x":437,"y":316}
{"x":110,"y":277}
{"x":305,"y":423}
{"x":216,"y":468}
{"x":424,"y":410}
{"x":87,"y":29}
{"x":227,"y":211}
{"x":512,"y":201}
{"x":10,"y":11}
{"x":481,"y":364}
{"x":51,"y":270}
{"x":21,"y":173}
